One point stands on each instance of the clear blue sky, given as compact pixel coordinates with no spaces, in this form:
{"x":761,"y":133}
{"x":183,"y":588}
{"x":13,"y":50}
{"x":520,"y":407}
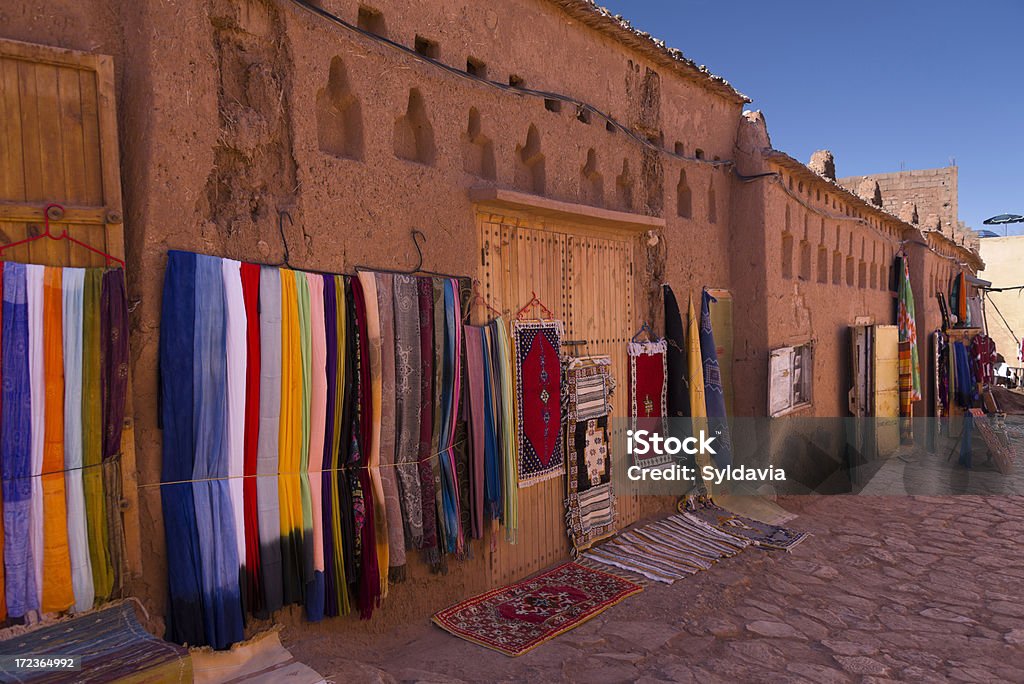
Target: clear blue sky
{"x":884,"y":85}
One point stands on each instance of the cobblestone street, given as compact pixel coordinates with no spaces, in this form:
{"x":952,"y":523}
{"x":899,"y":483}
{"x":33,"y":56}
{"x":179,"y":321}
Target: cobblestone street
{"x":888,"y":588}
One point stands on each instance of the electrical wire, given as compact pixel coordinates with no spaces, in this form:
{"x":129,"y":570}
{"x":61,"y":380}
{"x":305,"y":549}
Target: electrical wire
{"x":581,"y":106}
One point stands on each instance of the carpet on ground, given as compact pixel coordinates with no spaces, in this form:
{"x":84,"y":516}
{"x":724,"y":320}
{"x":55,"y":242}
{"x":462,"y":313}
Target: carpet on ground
{"x":519,"y":617}
{"x":112,"y":647}
{"x":756,"y":532}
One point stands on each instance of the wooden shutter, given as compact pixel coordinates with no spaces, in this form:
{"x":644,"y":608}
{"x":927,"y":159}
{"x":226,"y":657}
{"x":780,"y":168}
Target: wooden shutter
{"x":780,"y":381}
{"x":58,"y":144}
{"x":585,"y":277}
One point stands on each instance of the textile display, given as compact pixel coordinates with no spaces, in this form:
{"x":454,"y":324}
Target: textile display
{"x":677,"y":370}
{"x":747,"y":529}
{"x":648,"y":389}
{"x":590,"y":502}
{"x":517,"y":618}
{"x":940,"y":355}
{"x":695,"y":365}
{"x":536,"y":349}
{"x":504,"y":397}
{"x":958,"y":300}
{"x":714,"y":392}
{"x":909,"y":364}
{"x":666,"y":550}
{"x":479,"y":423}
{"x":260,"y":660}
{"x":332,"y":406}
{"x":983,"y":359}
{"x":965,"y":387}
{"x":112,"y":647}
{"x":63,"y":360}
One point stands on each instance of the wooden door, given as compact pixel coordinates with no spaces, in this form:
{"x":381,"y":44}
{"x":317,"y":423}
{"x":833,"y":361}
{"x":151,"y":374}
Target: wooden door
{"x":585,"y":278}
{"x":58,"y":144}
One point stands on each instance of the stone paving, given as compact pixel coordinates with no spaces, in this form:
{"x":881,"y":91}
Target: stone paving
{"x":888,"y":589}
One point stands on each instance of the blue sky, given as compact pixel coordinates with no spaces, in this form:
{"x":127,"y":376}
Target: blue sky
{"x":884,"y":85}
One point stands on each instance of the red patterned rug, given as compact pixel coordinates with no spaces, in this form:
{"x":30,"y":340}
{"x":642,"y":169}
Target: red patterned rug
{"x":522,"y":616}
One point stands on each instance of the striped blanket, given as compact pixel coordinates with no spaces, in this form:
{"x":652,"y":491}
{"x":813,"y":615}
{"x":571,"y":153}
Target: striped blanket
{"x":667,"y":550}
{"x":112,"y":647}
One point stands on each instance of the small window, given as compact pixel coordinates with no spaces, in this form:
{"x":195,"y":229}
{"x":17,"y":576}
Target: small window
{"x":582,"y":114}
{"x":476,"y":67}
{"x":426,"y":47}
{"x":552,"y":105}
{"x":679,"y":149}
{"x":609,"y":126}
{"x":790,"y":379}
{"x":516,"y":81}
{"x":699,"y":153}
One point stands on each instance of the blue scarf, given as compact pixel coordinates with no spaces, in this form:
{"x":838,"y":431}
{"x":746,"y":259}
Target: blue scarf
{"x":714,"y":393}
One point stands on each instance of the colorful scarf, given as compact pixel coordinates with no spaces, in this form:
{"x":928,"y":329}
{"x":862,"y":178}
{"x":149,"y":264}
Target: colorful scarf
{"x":58,"y":592}
{"x":37,"y":381}
{"x":714,"y":393}
{"x":388,"y":437}
{"x":290,"y":440}
{"x":92,"y":436}
{"x":177,"y":331}
{"x":317,"y":439}
{"x":479,"y":424}
{"x":254,"y":586}
{"x":538,"y":373}
{"x":306,"y":361}
{"x":509,"y":448}
{"x":221,"y":607}
{"x":235,"y":345}
{"x":910,"y":377}
{"x":450,"y":396}
{"x":408,"y":389}
{"x":19,"y":567}
{"x":114,"y":389}
{"x":492,"y":428}
{"x":425,"y":454}
{"x":272,"y":515}
{"x":78,"y":536}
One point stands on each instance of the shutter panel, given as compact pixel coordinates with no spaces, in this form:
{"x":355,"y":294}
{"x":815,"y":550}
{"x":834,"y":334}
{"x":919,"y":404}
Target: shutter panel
{"x":780,"y":381}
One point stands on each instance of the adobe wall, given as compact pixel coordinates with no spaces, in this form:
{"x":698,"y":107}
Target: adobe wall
{"x":1004,"y":267}
{"x":234,"y":111}
{"x":934,"y":191}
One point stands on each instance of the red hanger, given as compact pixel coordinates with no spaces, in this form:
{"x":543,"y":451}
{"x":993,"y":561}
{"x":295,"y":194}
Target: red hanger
{"x":474,"y":299}
{"x":58,"y":213}
{"x":534,"y":302}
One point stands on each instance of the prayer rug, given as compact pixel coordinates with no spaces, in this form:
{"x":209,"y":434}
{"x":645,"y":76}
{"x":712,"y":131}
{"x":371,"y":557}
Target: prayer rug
{"x":667,"y":550}
{"x":590,"y":504}
{"x":538,"y":396}
{"x":112,"y":647}
{"x":519,"y":617}
{"x":648,"y":387}
{"x":753,"y":531}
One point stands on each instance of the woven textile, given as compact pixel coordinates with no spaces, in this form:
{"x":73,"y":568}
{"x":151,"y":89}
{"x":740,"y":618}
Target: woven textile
{"x":648,"y":387}
{"x":112,"y":646}
{"x":667,"y":550}
{"x":517,"y":618}
{"x":590,"y":503}
{"x":538,"y":374}
{"x":746,"y":529}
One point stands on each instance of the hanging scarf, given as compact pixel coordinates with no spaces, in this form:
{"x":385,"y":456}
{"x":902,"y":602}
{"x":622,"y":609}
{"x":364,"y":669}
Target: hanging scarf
{"x":450,"y":395}
{"x":290,"y":440}
{"x":57,"y":588}
{"x":250,"y":277}
{"x":508,"y":446}
{"x":177,"y":330}
{"x":492,"y":427}
{"x":114,"y":388}
{"x":235,"y":344}
{"x":306,"y":356}
{"x":365,"y":490}
{"x":222,"y":613}
{"x":678,"y":399}
{"x":695,"y":368}
{"x":19,"y":568}
{"x":92,"y":437}
{"x":388,"y":474}
{"x":958,"y":299}
{"x":317,"y":438}
{"x":335,"y":599}
{"x":349,"y":492}
{"x":714,"y":393}
{"x":906,"y":320}
{"x":425,"y":302}
{"x":272,"y":530}
{"x":478,"y":425}
{"x":408,"y":387}
{"x":37,"y":381}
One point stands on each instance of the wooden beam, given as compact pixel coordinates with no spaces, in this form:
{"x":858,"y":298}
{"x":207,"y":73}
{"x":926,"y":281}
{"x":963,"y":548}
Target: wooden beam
{"x":500,"y":198}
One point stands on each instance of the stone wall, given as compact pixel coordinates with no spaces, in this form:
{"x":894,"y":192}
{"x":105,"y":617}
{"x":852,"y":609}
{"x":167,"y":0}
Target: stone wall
{"x":1004,"y":267}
